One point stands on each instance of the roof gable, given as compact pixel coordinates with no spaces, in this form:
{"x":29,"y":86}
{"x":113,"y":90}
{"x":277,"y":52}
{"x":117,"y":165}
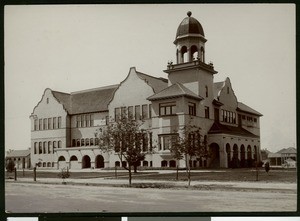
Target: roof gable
{"x":175,"y":90}
{"x":157,"y":84}
{"x":244,"y":108}
{"x":218,"y":128}
{"x":92,"y":100}
{"x":19,"y":153}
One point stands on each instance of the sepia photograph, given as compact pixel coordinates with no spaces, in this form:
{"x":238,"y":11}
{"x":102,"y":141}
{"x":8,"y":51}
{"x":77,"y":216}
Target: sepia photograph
{"x":150,"y":108}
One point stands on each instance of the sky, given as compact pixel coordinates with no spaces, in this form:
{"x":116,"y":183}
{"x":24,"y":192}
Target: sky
{"x":77,"y":47}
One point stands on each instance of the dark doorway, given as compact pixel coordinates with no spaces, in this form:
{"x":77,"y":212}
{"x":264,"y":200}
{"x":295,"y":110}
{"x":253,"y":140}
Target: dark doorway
{"x":86,"y":162}
{"x":99,"y":161}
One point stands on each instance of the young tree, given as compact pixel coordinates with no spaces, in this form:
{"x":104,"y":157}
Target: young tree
{"x":125,"y":138}
{"x":10,"y":166}
{"x":189,"y":145}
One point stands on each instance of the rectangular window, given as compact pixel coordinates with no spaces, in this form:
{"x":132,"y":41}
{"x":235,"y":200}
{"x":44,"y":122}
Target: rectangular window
{"x":145,"y":142}
{"x":49,"y":123}
{"x":78,"y":121}
{"x":82,"y":120}
{"x":106,"y":120}
{"x":255,"y":120}
{"x":167,"y":109}
{"x":130,"y":112}
{"x":117,"y":113}
{"x":88,"y":120}
{"x":59,"y":122}
{"x":144,"y":111}
{"x":123,"y":112}
{"x":234,"y":118}
{"x":150,"y":110}
{"x":92,"y":120}
{"x":137,"y":112}
{"x":243,"y":117}
{"x":206,"y":112}
{"x":36,"y":124}
{"x":54,"y":123}
{"x":166,"y":141}
{"x":222,"y":115}
{"x":44,"y":124}
{"x":192,"y":109}
{"x":150,"y":141}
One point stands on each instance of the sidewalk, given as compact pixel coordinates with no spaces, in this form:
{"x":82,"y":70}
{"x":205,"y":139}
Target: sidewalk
{"x":120,"y":181}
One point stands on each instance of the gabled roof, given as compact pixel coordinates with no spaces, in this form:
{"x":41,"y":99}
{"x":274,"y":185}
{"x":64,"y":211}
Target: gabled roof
{"x":87,"y":101}
{"x":175,"y":90}
{"x":93,"y":100}
{"x":287,"y":150}
{"x":244,"y":108}
{"x":157,"y":84}
{"x":19,"y":153}
{"x":217,"y":87}
{"x":218,"y":128}
{"x":64,"y":99}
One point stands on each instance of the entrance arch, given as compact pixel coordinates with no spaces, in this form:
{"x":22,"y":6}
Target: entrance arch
{"x":86,"y":162}
{"x":214,"y":150}
{"x":99,"y":161}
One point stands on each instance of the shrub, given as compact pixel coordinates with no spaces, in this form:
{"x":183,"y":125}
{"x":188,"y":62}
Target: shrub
{"x":10,"y":166}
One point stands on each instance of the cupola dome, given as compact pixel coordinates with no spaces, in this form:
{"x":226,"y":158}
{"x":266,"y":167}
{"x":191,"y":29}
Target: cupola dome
{"x":189,"y":26}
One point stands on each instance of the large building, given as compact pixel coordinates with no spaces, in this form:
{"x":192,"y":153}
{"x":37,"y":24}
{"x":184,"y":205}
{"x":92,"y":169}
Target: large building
{"x":64,"y":124}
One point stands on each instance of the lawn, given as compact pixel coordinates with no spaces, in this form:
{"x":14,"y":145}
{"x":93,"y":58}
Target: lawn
{"x":278,"y":175}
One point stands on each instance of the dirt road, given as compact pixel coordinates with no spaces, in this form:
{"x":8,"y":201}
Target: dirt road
{"x":27,"y":197}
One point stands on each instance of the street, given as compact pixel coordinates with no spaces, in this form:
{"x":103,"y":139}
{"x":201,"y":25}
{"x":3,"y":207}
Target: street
{"x":50,"y":198}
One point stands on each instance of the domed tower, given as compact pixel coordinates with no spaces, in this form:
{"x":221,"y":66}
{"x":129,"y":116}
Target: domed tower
{"x":190,"y":40}
{"x":190,"y":68}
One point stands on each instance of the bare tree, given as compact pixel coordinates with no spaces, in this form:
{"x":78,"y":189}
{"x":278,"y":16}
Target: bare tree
{"x":190,"y":144}
{"x":125,"y":138}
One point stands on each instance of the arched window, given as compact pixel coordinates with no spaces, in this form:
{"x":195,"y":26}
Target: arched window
{"x":124,"y":163}
{"x":87,"y":142}
{"x":145,"y":163}
{"x":164,"y":163}
{"x":40,"y":148}
{"x":73,"y":158}
{"x":44,"y":164}
{"x":73,"y":143}
{"x":206,"y":91}
{"x":59,"y":144}
{"x":54,"y":145}
{"x":92,"y":141}
{"x":202,"y":56}
{"x":172,"y":163}
{"x":96,"y":141}
{"x":183,"y":54}
{"x":82,"y":142}
{"x":77,"y":143}
{"x":117,"y":164}
{"x":50,"y":146}
{"x":35,"y":148}
{"x":48,"y":164}
{"x":194,"y":53}
{"x":44,"y":147}
{"x":61,"y":158}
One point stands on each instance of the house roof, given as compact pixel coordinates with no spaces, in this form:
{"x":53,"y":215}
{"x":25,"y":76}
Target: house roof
{"x":175,"y":90}
{"x":217,"y":87}
{"x":87,"y":101}
{"x":19,"y":153}
{"x":218,"y":128}
{"x":157,"y":84}
{"x":93,"y":100}
{"x":274,"y":155}
{"x":244,"y":108}
{"x":287,"y":150}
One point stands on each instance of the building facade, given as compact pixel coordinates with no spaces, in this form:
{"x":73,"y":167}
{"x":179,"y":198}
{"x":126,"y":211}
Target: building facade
{"x":21,"y":158}
{"x":64,"y":124}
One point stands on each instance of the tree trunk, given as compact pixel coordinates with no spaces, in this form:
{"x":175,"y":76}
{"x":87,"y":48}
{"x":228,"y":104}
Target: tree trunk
{"x":15,"y":170}
{"x":129,"y":170}
{"x":34,"y":174}
{"x":176,"y":172}
{"x":189,"y":176}
{"x":135,"y":168}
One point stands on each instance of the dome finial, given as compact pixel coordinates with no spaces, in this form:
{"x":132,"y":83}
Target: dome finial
{"x":189,"y":13}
